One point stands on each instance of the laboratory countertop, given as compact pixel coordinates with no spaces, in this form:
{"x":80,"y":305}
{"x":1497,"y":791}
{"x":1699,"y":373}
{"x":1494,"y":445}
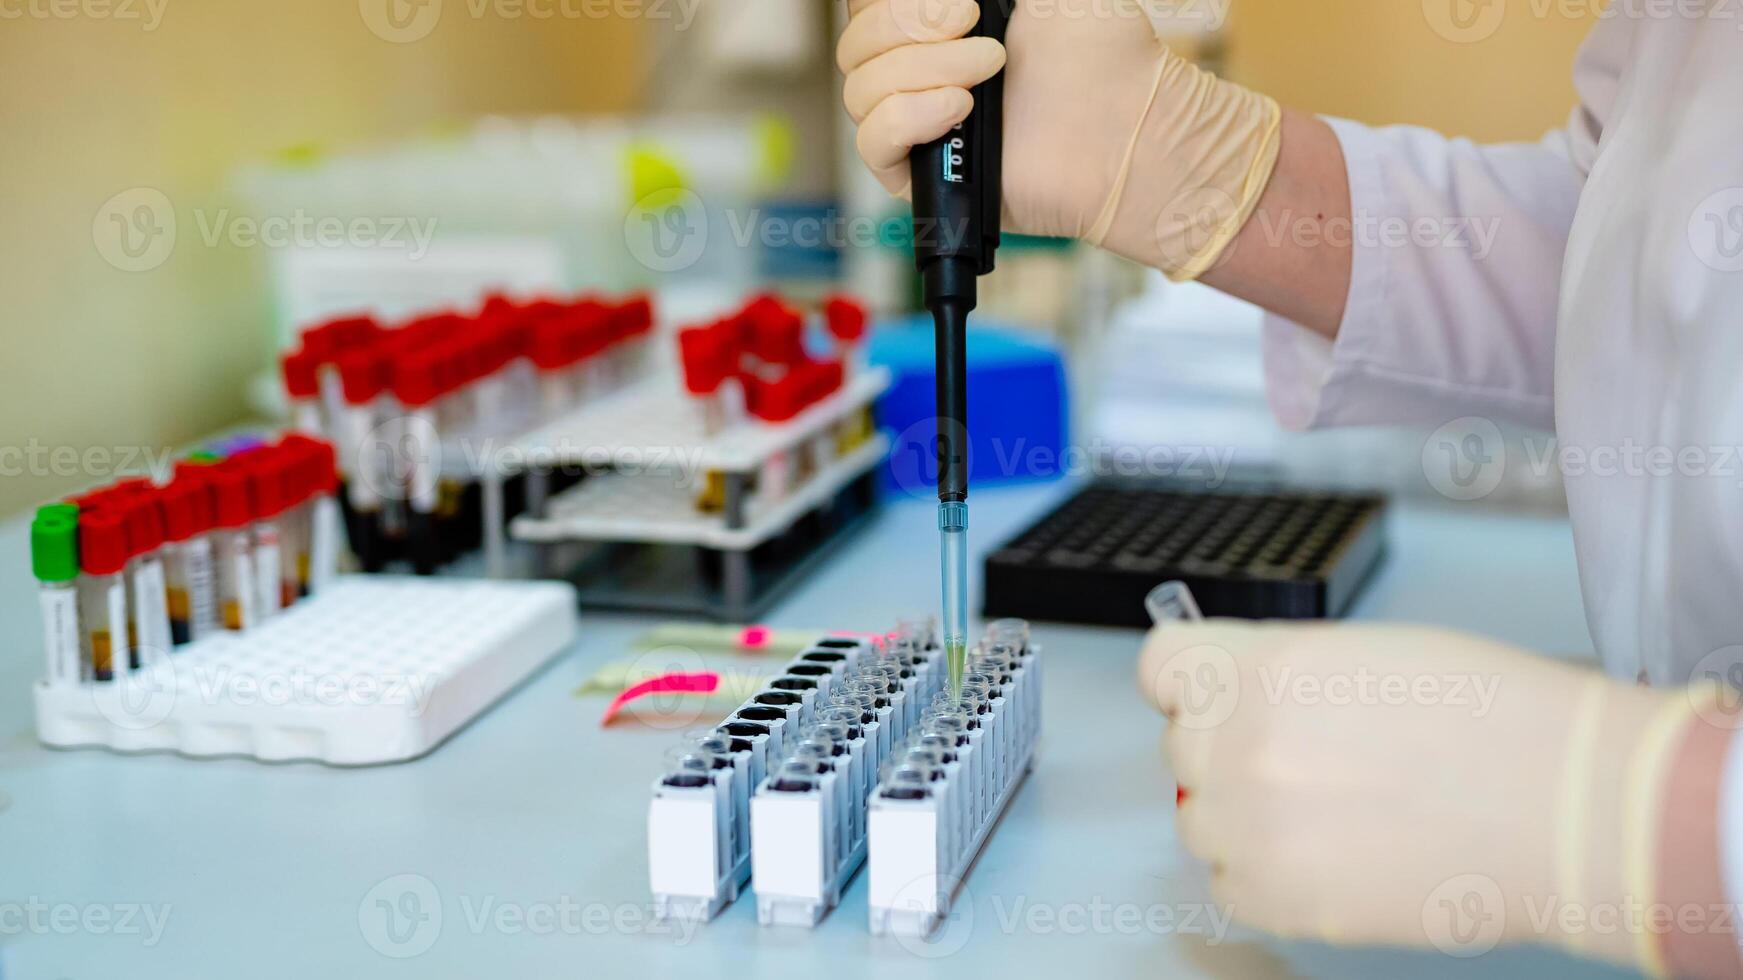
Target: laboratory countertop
{"x":518,"y":847}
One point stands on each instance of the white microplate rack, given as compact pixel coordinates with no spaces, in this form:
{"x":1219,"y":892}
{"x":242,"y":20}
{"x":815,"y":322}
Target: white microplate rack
{"x":374,"y":669}
{"x":656,"y":433}
{"x":637,"y":426}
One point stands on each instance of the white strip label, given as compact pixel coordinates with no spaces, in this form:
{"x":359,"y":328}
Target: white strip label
{"x":153,"y":600}
{"x":202,"y":587}
{"x":60,"y":634}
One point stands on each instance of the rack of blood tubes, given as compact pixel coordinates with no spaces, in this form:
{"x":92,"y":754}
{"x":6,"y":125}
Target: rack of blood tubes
{"x":204,"y":616}
{"x":415,"y":407}
{"x":133,"y":570}
{"x":856,"y":754}
{"x":732,"y":483}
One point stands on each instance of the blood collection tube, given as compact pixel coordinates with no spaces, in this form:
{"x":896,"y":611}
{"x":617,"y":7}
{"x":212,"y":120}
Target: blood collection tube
{"x":233,"y":512}
{"x":54,"y":560}
{"x":417,"y":384}
{"x":705,"y":359}
{"x":553,"y":348}
{"x":846,"y":319}
{"x":266,"y":489}
{"x":314,"y":562}
{"x":632,"y":327}
{"x":778,"y":402}
{"x":588,"y":372}
{"x":302,"y":387}
{"x":192,"y":590}
{"x":103,"y":591}
{"x":323,"y":518}
{"x":150,"y":631}
{"x":363,"y":375}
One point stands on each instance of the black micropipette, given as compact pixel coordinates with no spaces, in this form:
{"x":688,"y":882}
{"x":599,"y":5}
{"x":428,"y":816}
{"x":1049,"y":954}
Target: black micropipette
{"x":956,"y":233}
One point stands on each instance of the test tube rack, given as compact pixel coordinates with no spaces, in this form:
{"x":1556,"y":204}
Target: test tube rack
{"x":701,"y":828}
{"x":798,"y":845}
{"x":924,"y":837}
{"x":371,"y":669}
{"x":649,"y":459}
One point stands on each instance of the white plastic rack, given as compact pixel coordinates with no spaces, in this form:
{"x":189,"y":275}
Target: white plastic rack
{"x":758,"y":802}
{"x":701,"y":842}
{"x":925,"y":835}
{"x":373,"y":669}
{"x":649,"y":461}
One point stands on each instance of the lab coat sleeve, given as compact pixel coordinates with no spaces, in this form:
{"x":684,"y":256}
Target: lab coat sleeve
{"x":1457,"y":258}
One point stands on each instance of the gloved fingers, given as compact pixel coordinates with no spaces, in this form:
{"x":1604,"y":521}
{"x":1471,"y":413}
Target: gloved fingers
{"x":890,"y":24}
{"x":901,"y":122}
{"x":963,"y":63}
{"x":1254,"y":899}
{"x":1189,"y":755}
{"x":1200,"y":829}
{"x":1189,"y":672}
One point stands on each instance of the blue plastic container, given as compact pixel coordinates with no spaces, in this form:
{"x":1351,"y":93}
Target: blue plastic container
{"x":1017,"y":407}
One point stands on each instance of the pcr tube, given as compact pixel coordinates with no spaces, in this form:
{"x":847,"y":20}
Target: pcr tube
{"x":54,"y":559}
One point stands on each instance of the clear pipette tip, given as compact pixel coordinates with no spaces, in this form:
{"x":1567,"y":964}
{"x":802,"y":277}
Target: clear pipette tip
{"x":953,"y":572}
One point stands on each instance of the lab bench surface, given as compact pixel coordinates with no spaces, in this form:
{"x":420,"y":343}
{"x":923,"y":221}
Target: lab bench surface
{"x":518,"y":847}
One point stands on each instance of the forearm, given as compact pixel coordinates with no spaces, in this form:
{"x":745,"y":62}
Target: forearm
{"x":1293,"y":256}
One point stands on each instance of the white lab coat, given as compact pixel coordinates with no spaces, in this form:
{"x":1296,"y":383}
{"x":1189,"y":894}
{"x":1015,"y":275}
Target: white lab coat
{"x":1609,"y":306}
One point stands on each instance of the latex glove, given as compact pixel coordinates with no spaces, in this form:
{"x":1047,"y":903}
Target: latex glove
{"x":1412,"y":786}
{"x":1109,"y":137}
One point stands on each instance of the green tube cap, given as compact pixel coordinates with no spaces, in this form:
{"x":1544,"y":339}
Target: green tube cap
{"x":54,"y":548}
{"x":65,"y":509}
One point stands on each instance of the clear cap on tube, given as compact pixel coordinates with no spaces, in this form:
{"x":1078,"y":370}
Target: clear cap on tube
{"x":1172,"y":602}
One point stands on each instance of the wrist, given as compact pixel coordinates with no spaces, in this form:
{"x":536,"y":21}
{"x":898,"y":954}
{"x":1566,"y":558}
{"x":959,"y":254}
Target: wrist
{"x":1193,"y":172}
{"x":1605,"y":900}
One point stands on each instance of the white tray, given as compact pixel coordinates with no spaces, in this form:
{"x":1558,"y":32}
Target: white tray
{"x":657,"y":508}
{"x":374,"y":669}
{"x":656,"y":425}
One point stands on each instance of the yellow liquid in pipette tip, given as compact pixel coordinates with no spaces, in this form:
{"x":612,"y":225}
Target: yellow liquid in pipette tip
{"x":956,"y":650}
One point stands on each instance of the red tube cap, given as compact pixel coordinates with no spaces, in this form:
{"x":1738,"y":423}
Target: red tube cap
{"x":145,"y":531}
{"x":299,"y":374}
{"x":102,"y":542}
{"x":233,"y":506}
{"x":417,"y":378}
{"x":703,"y":352}
{"x":822,"y":379}
{"x":186,"y":505}
{"x":777,"y":333}
{"x":362,"y":375}
{"x":268,"y":482}
{"x":776,"y":401}
{"x":846,"y":318}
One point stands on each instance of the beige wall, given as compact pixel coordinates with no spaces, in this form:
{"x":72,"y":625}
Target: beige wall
{"x":1382,"y":61}
{"x":173,"y":99}
{"x":99,"y":104}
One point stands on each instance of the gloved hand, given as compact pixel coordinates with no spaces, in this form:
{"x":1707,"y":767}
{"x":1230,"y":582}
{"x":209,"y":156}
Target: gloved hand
{"x":1109,"y":137}
{"x":1411,"y":786}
